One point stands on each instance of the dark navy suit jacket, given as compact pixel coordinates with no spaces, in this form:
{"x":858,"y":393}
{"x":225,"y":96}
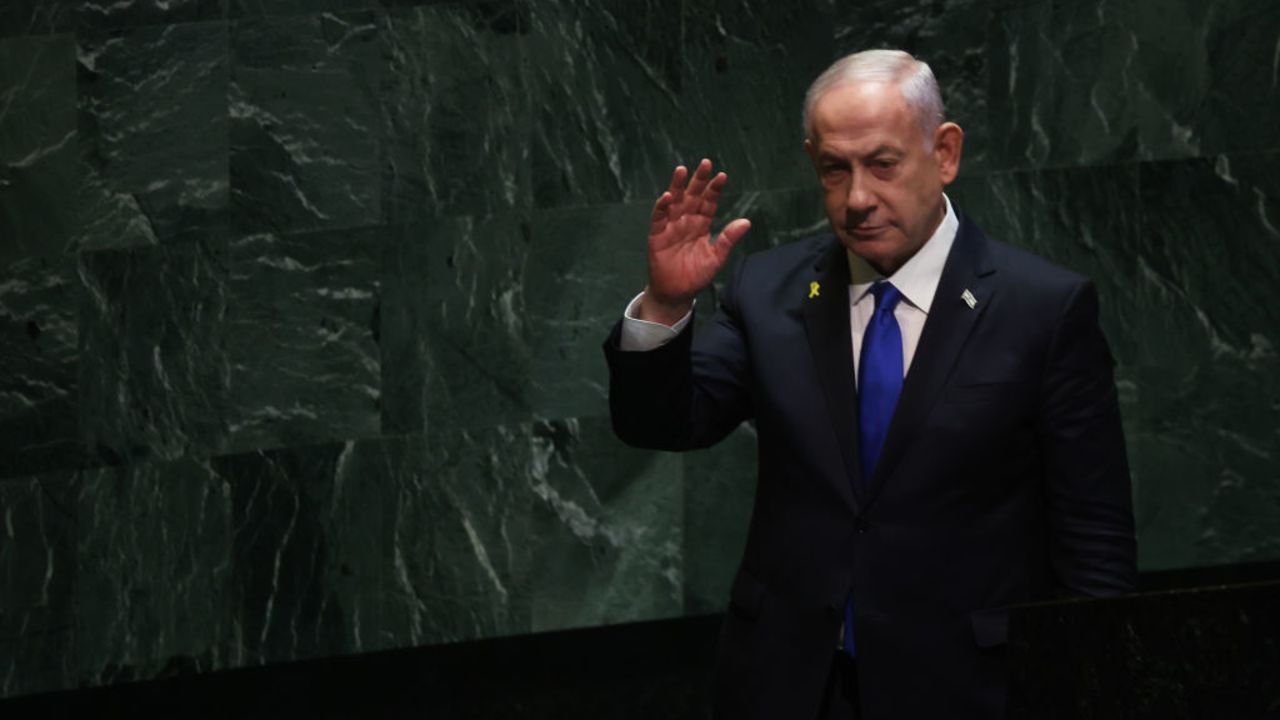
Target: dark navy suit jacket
{"x":1003,"y":478}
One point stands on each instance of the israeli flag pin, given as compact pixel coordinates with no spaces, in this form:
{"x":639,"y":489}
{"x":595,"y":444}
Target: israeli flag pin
{"x":969,"y":299}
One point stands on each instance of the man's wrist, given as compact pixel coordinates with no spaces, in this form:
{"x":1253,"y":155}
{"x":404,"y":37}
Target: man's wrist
{"x":667,"y":313}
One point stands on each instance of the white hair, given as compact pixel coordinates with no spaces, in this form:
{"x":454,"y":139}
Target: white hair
{"x":912,"y":77}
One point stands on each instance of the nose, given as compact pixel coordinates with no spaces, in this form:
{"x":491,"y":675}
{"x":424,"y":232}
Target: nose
{"x":860,"y":200}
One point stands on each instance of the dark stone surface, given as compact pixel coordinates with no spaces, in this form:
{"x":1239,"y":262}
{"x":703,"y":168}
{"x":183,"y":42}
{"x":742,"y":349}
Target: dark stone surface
{"x":153,"y":134}
{"x":455,"y":111}
{"x":153,"y":552}
{"x":153,"y":373}
{"x":1098,"y":82}
{"x":1212,"y":652}
{"x":454,"y":339}
{"x":39,"y":366}
{"x":37,"y":576}
{"x":302,"y":337}
{"x":606,"y":549}
{"x":305,"y":121}
{"x":38,"y":135}
{"x":41,"y":17}
{"x":623,"y":91}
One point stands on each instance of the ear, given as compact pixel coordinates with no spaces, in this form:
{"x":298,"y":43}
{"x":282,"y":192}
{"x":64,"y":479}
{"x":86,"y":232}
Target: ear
{"x":812,"y":151}
{"x":948,"y":141}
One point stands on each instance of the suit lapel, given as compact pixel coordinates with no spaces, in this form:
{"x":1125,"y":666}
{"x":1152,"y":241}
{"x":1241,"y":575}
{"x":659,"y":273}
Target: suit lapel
{"x":945,"y":331}
{"x":826,"y":323}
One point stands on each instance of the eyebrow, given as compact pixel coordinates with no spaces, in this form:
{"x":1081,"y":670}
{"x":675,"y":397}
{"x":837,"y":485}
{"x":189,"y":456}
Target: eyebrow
{"x":882,"y":149}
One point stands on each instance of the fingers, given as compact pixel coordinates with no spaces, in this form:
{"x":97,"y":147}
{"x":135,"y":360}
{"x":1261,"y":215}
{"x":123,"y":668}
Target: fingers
{"x":697,"y":193}
{"x":658,"y":219}
{"x":729,"y":237}
{"x":711,"y":197}
{"x":701,"y":178}
{"x":678,"y":178}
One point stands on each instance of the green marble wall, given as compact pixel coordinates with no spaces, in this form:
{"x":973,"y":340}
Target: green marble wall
{"x":301,"y":301}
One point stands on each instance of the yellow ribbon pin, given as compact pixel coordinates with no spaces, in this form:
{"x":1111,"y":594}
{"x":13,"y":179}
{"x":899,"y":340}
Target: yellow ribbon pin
{"x":813,"y":289}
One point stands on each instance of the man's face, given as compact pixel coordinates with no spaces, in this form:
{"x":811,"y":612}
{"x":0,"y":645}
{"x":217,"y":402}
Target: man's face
{"x":881,"y":187}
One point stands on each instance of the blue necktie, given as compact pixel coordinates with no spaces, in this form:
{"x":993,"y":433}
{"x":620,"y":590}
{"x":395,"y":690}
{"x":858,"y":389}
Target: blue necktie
{"x":879,"y":384}
{"x":879,"y":376}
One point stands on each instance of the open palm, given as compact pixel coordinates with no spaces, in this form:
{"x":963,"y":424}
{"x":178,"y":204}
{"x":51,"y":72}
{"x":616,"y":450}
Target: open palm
{"x":682,"y":259}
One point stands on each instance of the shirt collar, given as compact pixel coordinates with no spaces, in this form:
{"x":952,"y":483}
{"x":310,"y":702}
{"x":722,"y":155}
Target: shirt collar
{"x":918,"y":277}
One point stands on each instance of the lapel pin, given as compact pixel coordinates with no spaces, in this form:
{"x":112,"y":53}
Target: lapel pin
{"x":969,"y":299}
{"x":813,"y":289}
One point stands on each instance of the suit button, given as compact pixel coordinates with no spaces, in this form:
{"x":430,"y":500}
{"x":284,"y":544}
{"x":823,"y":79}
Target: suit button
{"x":860,"y":524}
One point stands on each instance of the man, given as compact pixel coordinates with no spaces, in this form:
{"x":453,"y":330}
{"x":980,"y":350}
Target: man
{"x":939,"y":434}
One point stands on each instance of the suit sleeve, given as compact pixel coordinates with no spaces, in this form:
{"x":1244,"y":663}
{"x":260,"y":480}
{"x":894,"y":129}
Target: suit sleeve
{"x":688,"y":393}
{"x":1093,"y":545}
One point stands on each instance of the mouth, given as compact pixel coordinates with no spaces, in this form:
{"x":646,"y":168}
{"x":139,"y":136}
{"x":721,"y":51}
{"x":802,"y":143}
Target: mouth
{"x":865,"y":231}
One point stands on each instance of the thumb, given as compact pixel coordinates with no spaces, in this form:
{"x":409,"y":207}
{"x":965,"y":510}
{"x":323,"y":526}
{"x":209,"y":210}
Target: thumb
{"x":730,"y":236}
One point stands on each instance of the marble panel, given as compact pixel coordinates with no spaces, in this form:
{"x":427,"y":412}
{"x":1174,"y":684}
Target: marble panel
{"x":260,"y":8}
{"x":153,"y":134}
{"x":375,"y":544}
{"x":153,"y":371}
{"x":456,"y":113}
{"x":305,"y":121}
{"x":38,"y":162}
{"x":37,"y":576}
{"x":719,"y":493}
{"x":1210,"y":248}
{"x":302,"y":337}
{"x":145,"y":12}
{"x":607,"y":528}
{"x":1092,"y":82}
{"x":605,"y":81}
{"x":625,"y":91}
{"x":39,"y":302}
{"x":153,"y":564}
{"x":951,"y":37}
{"x":42,"y":17}
{"x":586,"y":265}
{"x":305,"y":552}
{"x":454,"y":325}
{"x":457,"y":534}
{"x":747,"y":65}
{"x":504,"y":11}
{"x":35,"y":17}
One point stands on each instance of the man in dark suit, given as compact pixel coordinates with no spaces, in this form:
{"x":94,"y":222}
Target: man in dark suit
{"x":939,"y":434}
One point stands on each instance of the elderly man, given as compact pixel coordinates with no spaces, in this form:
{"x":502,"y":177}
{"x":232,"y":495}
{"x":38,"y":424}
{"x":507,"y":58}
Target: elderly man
{"x":939,"y":434}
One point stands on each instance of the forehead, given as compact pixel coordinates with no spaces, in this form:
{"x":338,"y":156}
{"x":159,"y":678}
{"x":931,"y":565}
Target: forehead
{"x":852,"y":115}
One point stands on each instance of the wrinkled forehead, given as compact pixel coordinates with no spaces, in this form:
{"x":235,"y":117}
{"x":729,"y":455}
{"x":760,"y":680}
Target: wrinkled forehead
{"x":862,"y":110}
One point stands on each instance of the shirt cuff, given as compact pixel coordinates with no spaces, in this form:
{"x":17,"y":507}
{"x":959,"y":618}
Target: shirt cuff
{"x":642,"y":335}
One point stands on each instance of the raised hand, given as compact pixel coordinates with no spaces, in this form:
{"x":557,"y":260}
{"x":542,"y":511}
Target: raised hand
{"x":682,"y":259}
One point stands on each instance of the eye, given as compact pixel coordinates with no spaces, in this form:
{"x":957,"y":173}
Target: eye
{"x":884,"y":167}
{"x":834,"y":173}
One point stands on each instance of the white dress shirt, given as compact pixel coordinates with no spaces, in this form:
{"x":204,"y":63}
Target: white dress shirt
{"x":917,"y":280}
